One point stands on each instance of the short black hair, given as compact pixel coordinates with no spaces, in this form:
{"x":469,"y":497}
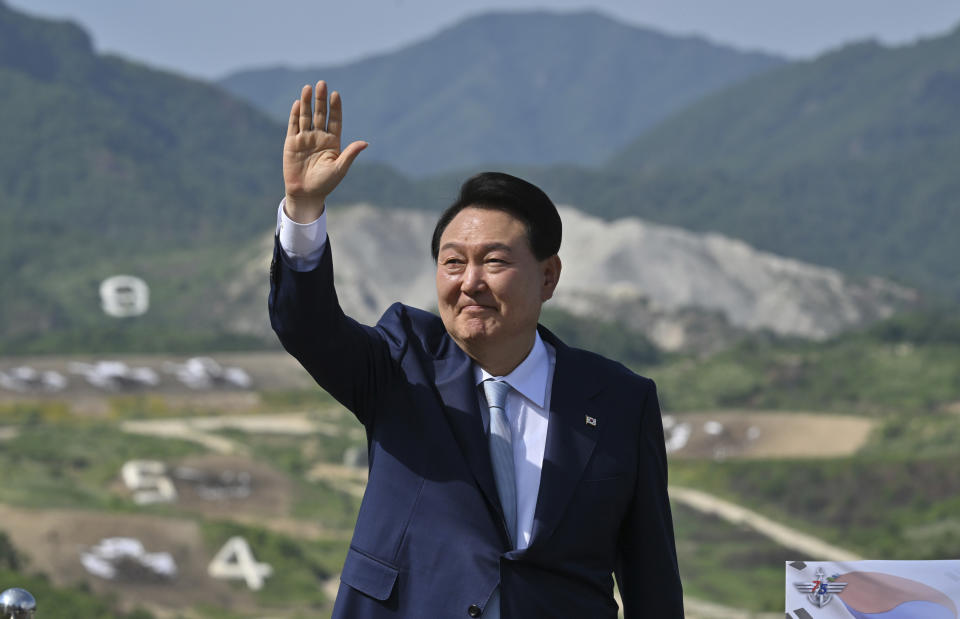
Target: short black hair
{"x":515,"y":196}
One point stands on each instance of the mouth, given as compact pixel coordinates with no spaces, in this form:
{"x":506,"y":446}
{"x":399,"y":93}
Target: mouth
{"x":475,"y":309}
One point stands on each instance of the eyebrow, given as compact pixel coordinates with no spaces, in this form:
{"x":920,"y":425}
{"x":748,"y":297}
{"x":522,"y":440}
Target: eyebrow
{"x":486,"y":248}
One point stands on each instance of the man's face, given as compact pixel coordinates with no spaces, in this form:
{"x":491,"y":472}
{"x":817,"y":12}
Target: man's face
{"x":490,"y":286}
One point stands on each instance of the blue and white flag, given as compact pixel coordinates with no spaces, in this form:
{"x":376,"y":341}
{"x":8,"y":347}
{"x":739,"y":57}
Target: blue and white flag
{"x":873,"y":590}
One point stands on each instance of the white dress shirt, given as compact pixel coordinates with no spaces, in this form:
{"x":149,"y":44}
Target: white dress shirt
{"x":528,"y":403}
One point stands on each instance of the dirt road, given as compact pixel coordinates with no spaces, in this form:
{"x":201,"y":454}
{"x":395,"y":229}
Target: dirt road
{"x":807,"y":546}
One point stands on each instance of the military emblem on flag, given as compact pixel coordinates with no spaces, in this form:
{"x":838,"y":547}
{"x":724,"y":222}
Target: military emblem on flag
{"x":820,"y":590}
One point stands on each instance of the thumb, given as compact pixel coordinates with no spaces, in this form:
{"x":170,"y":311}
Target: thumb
{"x":345,"y":160}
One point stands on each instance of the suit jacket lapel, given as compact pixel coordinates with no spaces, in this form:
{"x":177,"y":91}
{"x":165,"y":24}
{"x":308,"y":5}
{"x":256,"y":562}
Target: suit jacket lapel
{"x":570,"y":440}
{"x":454,"y":380}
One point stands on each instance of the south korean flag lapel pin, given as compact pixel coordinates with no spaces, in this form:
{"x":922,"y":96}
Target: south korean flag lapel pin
{"x":591,"y":421}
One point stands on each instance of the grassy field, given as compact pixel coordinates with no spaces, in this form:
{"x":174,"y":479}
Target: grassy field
{"x":883,"y":508}
{"x":58,"y":461}
{"x":72,"y":463}
{"x":894,"y":498}
{"x":867,"y":377}
{"x":728,"y":564}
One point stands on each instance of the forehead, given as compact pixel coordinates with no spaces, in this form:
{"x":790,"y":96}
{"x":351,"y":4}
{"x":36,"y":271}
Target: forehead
{"x":481,"y":225}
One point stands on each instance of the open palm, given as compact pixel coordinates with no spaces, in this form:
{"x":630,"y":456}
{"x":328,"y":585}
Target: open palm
{"x":313,"y":164}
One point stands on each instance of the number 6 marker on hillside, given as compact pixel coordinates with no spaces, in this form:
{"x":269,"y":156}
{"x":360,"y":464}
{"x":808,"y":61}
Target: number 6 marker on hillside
{"x":235,"y":561}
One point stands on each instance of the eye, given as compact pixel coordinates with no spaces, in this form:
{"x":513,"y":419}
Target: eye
{"x":452,"y":263}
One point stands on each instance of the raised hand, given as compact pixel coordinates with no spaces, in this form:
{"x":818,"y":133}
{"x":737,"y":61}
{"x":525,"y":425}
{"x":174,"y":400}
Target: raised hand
{"x":313,"y":164}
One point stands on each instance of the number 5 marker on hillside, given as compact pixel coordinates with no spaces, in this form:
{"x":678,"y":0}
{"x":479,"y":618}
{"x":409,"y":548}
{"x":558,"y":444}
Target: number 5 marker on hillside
{"x":149,"y":482}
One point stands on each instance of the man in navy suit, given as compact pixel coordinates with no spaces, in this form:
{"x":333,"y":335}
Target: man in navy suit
{"x":520,"y":505}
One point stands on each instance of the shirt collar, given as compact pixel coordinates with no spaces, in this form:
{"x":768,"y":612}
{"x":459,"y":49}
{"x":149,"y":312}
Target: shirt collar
{"x":529,"y":378}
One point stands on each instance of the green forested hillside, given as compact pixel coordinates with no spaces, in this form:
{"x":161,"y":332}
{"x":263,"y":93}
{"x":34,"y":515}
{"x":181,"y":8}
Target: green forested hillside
{"x":109,"y":167}
{"x":861,"y":103}
{"x":847,"y":160}
{"x":105,"y":166}
{"x":512,"y":88}
{"x":98,"y":145}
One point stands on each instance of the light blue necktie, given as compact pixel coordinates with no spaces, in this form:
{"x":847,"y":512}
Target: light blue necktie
{"x":501,"y":452}
{"x":501,"y":456}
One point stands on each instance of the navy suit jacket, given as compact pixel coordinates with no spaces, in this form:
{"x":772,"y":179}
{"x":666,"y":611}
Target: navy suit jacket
{"x":430,"y":540}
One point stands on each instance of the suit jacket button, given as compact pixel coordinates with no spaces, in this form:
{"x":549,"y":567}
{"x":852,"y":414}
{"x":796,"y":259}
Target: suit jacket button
{"x":474,"y":610}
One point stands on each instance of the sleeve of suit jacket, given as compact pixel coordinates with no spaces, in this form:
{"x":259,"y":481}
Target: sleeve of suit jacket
{"x":647,"y":571}
{"x":350,"y":360}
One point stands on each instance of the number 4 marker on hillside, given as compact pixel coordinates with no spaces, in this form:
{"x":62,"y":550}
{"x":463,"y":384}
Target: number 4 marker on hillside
{"x":235,"y":561}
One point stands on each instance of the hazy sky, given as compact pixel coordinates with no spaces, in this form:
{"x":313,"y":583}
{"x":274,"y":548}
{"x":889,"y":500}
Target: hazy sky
{"x":209,"y":38}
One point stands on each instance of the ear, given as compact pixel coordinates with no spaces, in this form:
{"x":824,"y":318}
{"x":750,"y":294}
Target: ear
{"x":551,"y":275}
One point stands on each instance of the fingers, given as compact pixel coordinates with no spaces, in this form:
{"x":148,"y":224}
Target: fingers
{"x":345,"y":160}
{"x":302,"y":117}
{"x":336,"y":114}
{"x":320,"y":118}
{"x":305,"y":111}
{"x":294,"y":127}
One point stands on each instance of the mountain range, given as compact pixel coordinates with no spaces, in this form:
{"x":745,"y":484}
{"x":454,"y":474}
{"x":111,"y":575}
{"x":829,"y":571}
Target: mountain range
{"x":512,"y":88}
{"x":108,"y":167}
{"x":846,"y":160}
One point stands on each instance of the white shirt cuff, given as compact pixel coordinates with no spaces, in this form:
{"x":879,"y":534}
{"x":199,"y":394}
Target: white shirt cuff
{"x":303,"y":243}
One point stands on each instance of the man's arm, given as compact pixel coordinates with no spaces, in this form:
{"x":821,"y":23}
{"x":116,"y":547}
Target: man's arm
{"x":345,"y":358}
{"x":646,"y":571}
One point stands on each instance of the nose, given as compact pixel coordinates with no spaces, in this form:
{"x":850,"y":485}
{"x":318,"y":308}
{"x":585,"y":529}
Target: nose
{"x":473,"y":279}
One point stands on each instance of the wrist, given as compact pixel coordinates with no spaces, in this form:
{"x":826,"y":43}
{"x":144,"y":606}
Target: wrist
{"x":303,"y":210}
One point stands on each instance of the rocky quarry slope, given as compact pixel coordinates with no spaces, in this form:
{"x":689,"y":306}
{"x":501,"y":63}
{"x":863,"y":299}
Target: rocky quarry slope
{"x":685,"y":291}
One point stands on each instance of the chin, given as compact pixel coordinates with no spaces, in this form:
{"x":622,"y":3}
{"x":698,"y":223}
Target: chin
{"x":474,"y":331}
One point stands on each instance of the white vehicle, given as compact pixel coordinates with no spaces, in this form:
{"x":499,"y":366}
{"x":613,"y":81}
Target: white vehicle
{"x":25,"y":378}
{"x":204,"y":373}
{"x":108,"y":558}
{"x":115,"y":375}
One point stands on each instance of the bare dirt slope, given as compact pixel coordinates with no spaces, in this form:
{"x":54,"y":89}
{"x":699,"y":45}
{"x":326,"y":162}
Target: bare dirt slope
{"x":55,"y":540}
{"x":765,"y":434}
